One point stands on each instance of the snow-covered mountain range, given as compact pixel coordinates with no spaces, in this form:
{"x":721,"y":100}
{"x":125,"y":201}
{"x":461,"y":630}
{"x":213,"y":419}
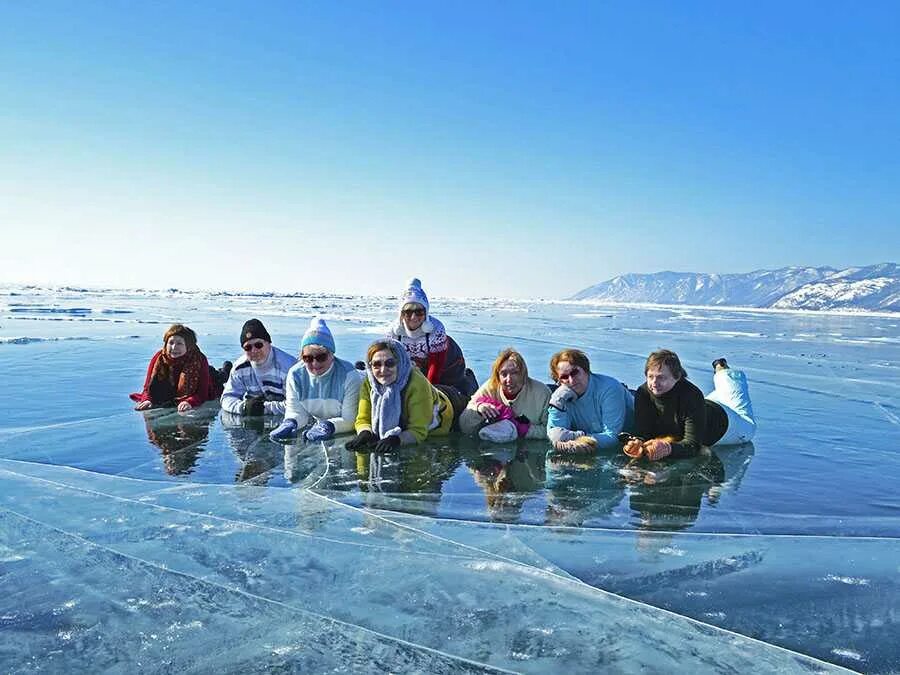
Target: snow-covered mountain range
{"x":872,"y":288}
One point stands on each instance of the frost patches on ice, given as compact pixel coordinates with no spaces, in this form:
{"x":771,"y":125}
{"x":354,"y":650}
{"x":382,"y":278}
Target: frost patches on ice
{"x":850,"y":581}
{"x":27,"y":340}
{"x":362,"y":530}
{"x":24,"y":340}
{"x":714,"y":615}
{"x":848,"y":654}
{"x":737,"y":333}
{"x":696,"y":594}
{"x":178,"y":626}
{"x":672,"y":550}
{"x":224,"y":532}
{"x":366,"y":330}
{"x":286,"y":650}
{"x":501,"y":566}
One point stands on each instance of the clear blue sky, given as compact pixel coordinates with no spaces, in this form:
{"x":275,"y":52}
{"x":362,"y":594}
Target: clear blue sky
{"x":490,"y":148}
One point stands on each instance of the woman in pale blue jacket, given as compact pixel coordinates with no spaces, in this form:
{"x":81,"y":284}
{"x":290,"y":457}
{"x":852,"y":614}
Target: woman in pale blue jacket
{"x":587,"y":410}
{"x":322,"y":393}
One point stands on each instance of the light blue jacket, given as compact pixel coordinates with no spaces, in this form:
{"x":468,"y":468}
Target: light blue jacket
{"x":604,"y":410}
{"x":333,"y":396}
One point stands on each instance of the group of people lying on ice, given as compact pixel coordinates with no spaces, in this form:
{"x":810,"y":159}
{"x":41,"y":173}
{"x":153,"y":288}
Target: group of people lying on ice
{"x":414,"y":384}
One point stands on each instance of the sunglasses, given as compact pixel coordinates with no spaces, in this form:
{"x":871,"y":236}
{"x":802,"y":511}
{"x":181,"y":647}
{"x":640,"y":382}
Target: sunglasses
{"x":254,"y":345}
{"x":387,"y":363}
{"x":322,"y":357}
{"x":568,"y":376}
{"x":413,"y":312}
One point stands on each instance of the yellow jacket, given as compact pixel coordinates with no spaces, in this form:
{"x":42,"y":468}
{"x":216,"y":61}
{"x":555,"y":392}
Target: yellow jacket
{"x":426,"y":411}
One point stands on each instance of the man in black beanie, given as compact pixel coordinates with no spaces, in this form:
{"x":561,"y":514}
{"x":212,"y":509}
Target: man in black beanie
{"x":256,"y":383}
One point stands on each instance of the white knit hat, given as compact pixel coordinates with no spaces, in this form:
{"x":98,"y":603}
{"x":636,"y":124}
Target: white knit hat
{"x":414,"y":295}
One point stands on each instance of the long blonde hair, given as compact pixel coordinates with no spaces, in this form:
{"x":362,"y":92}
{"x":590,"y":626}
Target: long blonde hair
{"x":508,"y":354}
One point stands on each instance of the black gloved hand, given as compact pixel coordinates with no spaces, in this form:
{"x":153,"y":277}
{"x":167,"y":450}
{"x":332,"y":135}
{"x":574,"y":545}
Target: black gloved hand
{"x":363,"y":439}
{"x":387,"y":444}
{"x":253,"y":406}
{"x":522,"y":419}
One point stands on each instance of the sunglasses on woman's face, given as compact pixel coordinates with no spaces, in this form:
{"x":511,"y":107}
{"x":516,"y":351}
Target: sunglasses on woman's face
{"x":387,"y":363}
{"x":413,"y":312}
{"x":254,"y":345}
{"x":570,"y":375}
{"x":318,"y":358}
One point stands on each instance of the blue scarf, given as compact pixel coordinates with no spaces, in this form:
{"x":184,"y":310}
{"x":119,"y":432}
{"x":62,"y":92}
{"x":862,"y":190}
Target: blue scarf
{"x":387,"y":399}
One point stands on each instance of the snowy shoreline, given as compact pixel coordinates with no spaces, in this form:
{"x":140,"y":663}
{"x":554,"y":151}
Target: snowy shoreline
{"x":14,"y":290}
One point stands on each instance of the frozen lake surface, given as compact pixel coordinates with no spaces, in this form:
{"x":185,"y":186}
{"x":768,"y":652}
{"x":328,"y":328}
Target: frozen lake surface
{"x":166,"y":541}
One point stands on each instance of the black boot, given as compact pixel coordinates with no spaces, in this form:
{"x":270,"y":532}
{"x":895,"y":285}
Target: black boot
{"x":223,"y":372}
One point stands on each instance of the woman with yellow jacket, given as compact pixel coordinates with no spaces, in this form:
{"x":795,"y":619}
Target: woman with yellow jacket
{"x":397,"y":404}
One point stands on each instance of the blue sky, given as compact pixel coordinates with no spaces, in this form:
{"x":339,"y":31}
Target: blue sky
{"x":521,"y":149}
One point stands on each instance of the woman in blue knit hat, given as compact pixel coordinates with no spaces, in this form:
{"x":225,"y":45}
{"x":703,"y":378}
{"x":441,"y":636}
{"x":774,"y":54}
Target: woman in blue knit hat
{"x":322,"y":391}
{"x":426,"y":341}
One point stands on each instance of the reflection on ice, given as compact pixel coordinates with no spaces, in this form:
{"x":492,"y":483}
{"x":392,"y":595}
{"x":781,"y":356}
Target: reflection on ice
{"x":177,"y":585}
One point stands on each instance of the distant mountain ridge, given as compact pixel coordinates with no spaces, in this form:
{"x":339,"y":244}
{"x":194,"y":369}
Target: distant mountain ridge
{"x":871,"y":288}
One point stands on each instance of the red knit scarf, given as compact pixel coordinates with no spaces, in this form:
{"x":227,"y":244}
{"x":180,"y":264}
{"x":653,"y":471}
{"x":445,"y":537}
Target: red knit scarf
{"x":183,"y":372}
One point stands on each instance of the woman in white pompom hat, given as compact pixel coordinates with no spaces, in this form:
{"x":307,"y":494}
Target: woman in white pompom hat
{"x":434,"y":352}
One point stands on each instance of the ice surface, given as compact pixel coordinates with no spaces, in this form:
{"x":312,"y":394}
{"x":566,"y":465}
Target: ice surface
{"x":166,"y":541}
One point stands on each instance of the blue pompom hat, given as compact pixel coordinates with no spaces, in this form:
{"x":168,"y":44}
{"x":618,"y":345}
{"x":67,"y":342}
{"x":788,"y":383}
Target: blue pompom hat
{"x":318,"y":334}
{"x":414,"y":295}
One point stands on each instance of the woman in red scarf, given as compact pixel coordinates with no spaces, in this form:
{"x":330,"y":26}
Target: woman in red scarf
{"x":178,"y":374}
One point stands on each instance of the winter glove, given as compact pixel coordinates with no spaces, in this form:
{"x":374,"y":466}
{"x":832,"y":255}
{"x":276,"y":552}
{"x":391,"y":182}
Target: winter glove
{"x":387,"y":444}
{"x":320,"y":431}
{"x":561,"y":396}
{"x":656,"y":448}
{"x":504,"y":431}
{"x":569,"y":435}
{"x":363,"y":439}
{"x":580,"y":444}
{"x":522,"y":419}
{"x":283,"y":431}
{"x":253,"y":406}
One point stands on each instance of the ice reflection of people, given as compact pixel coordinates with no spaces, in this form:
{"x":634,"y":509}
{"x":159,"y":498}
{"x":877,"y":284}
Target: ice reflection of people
{"x":581,"y":487}
{"x":252,"y":448}
{"x":509,"y":405}
{"x":322,"y":396}
{"x":508,"y":477}
{"x":672,"y":418}
{"x":587,"y":410}
{"x":179,"y":443}
{"x":397,"y":404}
{"x":178,"y":374}
{"x":669,"y":498}
{"x":413,"y":477}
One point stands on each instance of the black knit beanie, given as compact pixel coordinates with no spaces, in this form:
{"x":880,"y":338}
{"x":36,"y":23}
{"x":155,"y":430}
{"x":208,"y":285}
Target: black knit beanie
{"x":254,"y":329}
